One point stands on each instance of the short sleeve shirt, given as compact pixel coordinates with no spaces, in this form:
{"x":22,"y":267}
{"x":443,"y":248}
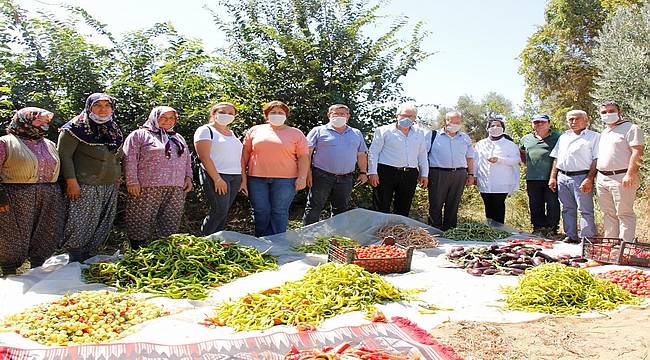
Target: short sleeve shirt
{"x":335,"y":152}
{"x":614,"y":150}
{"x":274,"y":152}
{"x":538,"y":155}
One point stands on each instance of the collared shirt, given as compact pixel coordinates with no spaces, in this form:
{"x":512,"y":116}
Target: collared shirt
{"x":450,"y":152}
{"x":614,"y":150}
{"x":335,"y":152}
{"x":576,"y":152}
{"x":391,"y":147}
{"x":538,"y":151}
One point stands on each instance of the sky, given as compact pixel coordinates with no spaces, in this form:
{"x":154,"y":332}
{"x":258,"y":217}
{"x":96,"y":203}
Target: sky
{"x":476,"y":42}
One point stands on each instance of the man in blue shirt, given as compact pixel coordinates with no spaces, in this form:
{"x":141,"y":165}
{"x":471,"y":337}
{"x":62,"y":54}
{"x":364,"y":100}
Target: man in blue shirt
{"x":397,"y":162}
{"x":335,"y":148}
{"x":451,"y":162}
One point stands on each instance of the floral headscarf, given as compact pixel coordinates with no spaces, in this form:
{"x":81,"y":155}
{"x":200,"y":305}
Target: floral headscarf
{"x":94,"y":130}
{"x":165,"y":135}
{"x":21,"y":123}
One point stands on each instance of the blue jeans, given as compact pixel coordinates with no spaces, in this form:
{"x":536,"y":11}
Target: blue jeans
{"x":271,"y":199}
{"x":573,"y":201}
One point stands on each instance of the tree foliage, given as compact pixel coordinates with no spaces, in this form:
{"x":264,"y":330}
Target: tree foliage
{"x":557,"y":60}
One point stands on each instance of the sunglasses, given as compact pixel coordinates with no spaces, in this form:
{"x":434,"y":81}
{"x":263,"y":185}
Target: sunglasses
{"x":537,"y":122}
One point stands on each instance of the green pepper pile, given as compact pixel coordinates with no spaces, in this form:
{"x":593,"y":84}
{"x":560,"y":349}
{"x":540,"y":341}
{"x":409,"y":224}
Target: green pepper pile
{"x":560,"y":289}
{"x":180,"y":266}
{"x":324,"y":292}
{"x":322,"y":244}
{"x":474,"y":231}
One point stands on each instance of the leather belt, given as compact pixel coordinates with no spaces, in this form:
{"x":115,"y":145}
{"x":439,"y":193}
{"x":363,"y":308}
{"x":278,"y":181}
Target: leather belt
{"x":573,"y":173}
{"x":404,"y":168}
{"x":448,"y":169}
{"x":615,"y":172}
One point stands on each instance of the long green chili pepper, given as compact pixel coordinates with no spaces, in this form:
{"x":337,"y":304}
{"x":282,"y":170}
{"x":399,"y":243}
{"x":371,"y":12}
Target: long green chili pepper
{"x":325,"y":291}
{"x":474,"y":231}
{"x":180,"y":266}
{"x":561,"y":289}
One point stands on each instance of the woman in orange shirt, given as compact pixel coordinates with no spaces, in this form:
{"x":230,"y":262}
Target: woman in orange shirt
{"x":275,"y":160}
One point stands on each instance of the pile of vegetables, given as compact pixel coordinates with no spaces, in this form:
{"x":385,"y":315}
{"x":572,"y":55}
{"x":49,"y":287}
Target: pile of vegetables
{"x":474,"y":231}
{"x":321,"y":244}
{"x":407,"y":236}
{"x":84,"y":317}
{"x":561,"y":289}
{"x":346,"y":351}
{"x":546,"y":244}
{"x":324,"y":292}
{"x":381,"y":258}
{"x":180,"y":266}
{"x":636,"y":282}
{"x":510,"y":259}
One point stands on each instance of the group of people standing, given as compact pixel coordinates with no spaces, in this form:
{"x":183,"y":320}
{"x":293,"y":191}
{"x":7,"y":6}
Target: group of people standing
{"x":275,"y":160}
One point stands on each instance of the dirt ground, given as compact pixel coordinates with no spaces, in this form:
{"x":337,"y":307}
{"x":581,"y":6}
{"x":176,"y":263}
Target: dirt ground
{"x":623,"y":335}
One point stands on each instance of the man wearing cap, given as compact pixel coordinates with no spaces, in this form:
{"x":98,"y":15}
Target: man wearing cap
{"x":619,"y":157}
{"x":335,"y":149}
{"x":397,"y":162}
{"x":535,"y":153}
{"x":573,"y":173}
{"x":451,"y":165}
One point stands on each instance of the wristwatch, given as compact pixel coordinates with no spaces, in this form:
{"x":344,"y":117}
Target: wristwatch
{"x":468,"y":174}
{"x":363,"y":173}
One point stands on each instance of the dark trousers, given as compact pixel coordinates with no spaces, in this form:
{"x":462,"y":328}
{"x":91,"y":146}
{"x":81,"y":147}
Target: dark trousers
{"x":396,"y":187}
{"x":219,"y":204}
{"x":327,"y":186}
{"x":445,"y":191}
{"x":544,"y":205}
{"x":495,"y":206}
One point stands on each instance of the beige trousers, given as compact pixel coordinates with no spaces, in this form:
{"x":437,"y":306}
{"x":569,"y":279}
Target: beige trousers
{"x":617,"y":205}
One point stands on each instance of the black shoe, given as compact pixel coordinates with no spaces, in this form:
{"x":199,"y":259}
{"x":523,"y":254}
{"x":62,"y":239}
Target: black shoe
{"x":569,"y":240}
{"x":8,"y":270}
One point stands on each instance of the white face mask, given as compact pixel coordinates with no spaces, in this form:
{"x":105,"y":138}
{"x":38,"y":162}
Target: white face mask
{"x":495,"y":131}
{"x":610,"y":118}
{"x":453,"y":128}
{"x":224,"y":119}
{"x":100,"y":119}
{"x":338,"y":121}
{"x":277,"y":119}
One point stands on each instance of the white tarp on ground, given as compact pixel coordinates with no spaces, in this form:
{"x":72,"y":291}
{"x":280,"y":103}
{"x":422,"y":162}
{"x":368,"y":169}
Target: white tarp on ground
{"x":468,"y":297}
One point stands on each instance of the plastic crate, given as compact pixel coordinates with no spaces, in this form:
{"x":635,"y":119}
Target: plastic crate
{"x":616,"y":251}
{"x":347,"y":255}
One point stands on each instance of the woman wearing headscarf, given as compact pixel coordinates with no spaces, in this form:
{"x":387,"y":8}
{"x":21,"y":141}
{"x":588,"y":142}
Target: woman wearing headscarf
{"x":496,"y":168}
{"x":158,"y":173}
{"x":31,"y":204}
{"x":276,"y":162}
{"x":219,"y":151}
{"x":88,"y":148}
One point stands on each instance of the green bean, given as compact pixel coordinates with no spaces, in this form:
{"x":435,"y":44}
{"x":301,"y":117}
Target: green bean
{"x":325,"y":291}
{"x":474,"y":231}
{"x":180,"y":266}
{"x":561,"y":289}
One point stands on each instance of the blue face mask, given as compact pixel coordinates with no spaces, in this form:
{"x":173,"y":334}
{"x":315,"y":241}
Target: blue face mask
{"x":405,"y":122}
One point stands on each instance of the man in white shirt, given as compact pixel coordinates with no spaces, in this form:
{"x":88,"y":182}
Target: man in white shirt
{"x":573,"y":173}
{"x":397,"y":162}
{"x":619,"y":157}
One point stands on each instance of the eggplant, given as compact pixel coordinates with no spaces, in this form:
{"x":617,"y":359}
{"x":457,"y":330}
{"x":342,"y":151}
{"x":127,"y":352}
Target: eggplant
{"x":521,"y":266}
{"x":538,"y":260}
{"x":548,"y":258}
{"x":491,"y":271}
{"x":579,"y":259}
{"x":458,"y":248}
{"x":475,"y":272}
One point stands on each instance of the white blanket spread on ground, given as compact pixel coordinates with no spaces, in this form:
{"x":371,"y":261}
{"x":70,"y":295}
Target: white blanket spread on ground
{"x":467,"y":297}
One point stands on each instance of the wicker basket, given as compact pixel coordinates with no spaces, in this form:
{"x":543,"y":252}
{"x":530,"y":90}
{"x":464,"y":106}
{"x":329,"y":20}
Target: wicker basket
{"x":616,"y":251}
{"x":347,"y":255}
